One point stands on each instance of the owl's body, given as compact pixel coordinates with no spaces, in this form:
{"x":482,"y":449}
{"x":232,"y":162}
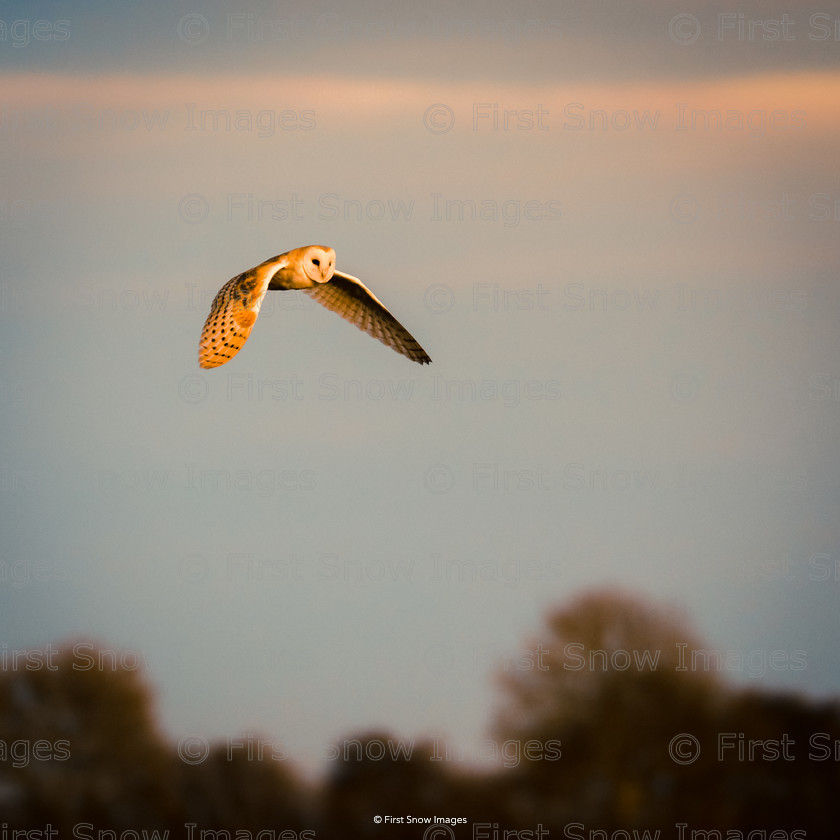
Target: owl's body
{"x":312,"y":270}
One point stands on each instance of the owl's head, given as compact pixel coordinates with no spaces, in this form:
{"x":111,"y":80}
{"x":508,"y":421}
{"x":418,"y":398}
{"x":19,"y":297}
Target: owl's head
{"x":319,"y":263}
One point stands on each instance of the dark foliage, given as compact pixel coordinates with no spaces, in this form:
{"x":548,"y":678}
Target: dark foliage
{"x":590,"y":723}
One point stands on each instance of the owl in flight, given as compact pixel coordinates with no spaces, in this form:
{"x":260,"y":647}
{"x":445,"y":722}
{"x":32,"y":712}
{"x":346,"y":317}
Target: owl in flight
{"x":312,"y":270}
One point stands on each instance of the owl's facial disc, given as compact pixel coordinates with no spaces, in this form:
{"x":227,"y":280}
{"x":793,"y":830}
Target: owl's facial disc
{"x":319,"y":264}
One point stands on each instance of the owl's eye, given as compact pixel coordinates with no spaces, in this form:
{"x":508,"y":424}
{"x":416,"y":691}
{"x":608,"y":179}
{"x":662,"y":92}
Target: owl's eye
{"x":316,"y":262}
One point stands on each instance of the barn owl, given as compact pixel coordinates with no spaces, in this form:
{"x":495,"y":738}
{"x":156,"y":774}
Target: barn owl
{"x":312,"y":270}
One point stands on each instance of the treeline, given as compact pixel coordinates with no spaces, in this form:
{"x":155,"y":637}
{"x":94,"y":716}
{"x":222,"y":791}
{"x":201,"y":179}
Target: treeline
{"x":629,"y":745}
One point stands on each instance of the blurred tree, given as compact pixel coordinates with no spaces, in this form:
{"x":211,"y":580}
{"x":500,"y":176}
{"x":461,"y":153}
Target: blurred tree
{"x":609,"y":689}
{"x":100,"y":760}
{"x":87,"y":750}
{"x":242,"y":789}
{"x":779,"y":763}
{"x":584,"y":735}
{"x":619,"y":680}
{"x":380,"y":774}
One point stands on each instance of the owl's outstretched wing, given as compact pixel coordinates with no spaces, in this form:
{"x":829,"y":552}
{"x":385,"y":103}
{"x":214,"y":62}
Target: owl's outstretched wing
{"x":349,"y":297}
{"x":232,"y":315}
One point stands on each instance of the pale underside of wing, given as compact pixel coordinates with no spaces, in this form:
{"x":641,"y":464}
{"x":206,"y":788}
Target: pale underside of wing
{"x":347,"y":296}
{"x":232,"y":315}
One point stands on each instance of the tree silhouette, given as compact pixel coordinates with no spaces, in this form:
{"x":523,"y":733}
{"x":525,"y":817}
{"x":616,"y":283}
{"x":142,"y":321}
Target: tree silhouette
{"x":378,"y":774}
{"x":101,"y":759}
{"x":105,"y":762}
{"x":620,"y":683}
{"x":241,"y":791}
{"x":591,"y":710}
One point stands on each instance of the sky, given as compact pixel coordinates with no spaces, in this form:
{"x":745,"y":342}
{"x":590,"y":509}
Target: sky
{"x":614,"y":228}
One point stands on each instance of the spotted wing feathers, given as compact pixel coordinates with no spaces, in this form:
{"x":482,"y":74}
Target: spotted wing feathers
{"x":232,"y":315}
{"x":347,"y":296}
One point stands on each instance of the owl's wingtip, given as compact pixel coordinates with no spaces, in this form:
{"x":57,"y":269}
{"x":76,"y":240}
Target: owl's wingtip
{"x":208,"y":362}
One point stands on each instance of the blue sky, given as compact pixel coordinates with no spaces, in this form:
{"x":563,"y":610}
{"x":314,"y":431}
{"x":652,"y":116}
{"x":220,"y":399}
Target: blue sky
{"x":614,"y":231}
